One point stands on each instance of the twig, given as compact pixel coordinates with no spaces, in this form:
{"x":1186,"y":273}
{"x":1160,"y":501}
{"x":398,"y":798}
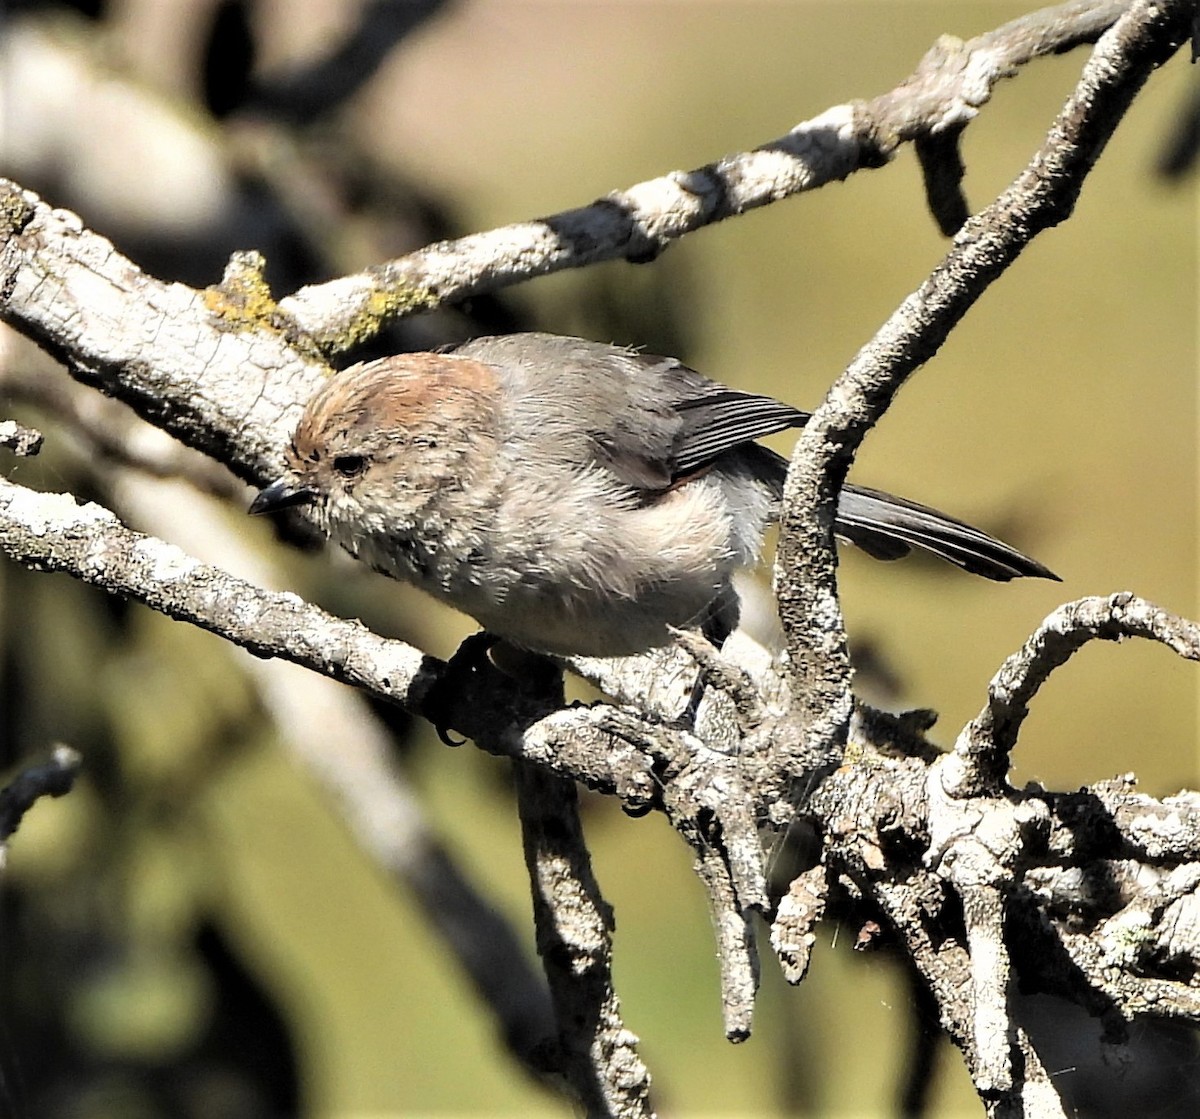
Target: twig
{"x":227,"y":376}
{"x":983,"y":747}
{"x":21,"y":440}
{"x":983,"y":915}
{"x":597,"y":1054}
{"x":52,"y":778}
{"x":724,"y":676}
{"x":55,"y":533}
{"x":659,"y":684}
{"x":1166,"y":831}
{"x":793,"y":932}
{"x":709,"y":802}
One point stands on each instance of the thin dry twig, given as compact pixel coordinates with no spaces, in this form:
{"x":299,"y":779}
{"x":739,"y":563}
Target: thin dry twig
{"x":52,"y":778}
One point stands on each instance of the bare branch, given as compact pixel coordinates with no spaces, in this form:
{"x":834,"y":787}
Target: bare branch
{"x":225,"y":370}
{"x":52,"y":778}
{"x":606,"y":748}
{"x":216,"y":369}
{"x":598,"y":1055}
{"x":980,"y":832}
{"x":723,"y":676}
{"x":708,"y":803}
{"x":54,"y":533}
{"x":983,"y":914}
{"x":884,"y":795}
{"x":638,"y":223}
{"x":975,"y":845}
{"x":1136,"y":958}
{"x":659,"y":684}
{"x":983,"y":746}
{"x":1042,"y":195}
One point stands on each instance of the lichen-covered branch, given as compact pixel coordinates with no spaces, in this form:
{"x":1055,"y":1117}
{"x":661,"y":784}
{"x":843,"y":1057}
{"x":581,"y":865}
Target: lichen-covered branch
{"x":990,"y":843}
{"x":983,"y":747}
{"x":1040,"y":197}
{"x":225,"y":370}
{"x":596,"y":1054}
{"x":215,"y":368}
{"x":945,"y":92}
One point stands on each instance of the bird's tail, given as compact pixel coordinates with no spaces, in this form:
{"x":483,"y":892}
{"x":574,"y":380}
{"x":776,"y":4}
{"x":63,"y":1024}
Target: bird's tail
{"x":888,"y":527}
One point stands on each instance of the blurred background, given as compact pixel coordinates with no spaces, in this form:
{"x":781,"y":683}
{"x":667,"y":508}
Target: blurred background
{"x":202,"y":927}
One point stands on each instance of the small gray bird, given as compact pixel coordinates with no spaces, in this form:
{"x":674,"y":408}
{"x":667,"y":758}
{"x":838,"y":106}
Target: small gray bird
{"x":572,"y":497}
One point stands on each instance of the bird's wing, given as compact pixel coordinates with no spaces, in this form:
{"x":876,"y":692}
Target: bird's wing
{"x":717,"y":419}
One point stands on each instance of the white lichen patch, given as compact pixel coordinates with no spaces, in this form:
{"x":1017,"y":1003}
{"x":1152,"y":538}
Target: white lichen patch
{"x":44,"y":514}
{"x":660,"y":196}
{"x":1152,"y":830}
{"x":167,"y":563}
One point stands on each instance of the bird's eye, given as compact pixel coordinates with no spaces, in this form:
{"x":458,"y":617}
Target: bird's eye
{"x":350,"y":466}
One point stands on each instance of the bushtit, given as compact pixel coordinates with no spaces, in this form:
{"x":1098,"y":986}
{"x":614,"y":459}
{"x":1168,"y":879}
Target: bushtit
{"x":572,"y":497}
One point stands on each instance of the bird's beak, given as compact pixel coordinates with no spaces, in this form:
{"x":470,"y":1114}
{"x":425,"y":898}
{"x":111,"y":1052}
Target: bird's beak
{"x":281,"y":494}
